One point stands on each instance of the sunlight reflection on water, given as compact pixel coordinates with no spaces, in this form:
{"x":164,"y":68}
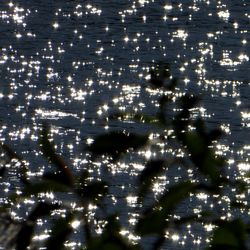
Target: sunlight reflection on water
{"x":71,"y":64}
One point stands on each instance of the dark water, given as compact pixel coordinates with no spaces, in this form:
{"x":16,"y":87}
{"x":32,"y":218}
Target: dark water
{"x":71,"y":63}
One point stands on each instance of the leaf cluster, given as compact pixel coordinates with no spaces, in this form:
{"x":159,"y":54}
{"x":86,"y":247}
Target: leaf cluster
{"x":154,"y":220}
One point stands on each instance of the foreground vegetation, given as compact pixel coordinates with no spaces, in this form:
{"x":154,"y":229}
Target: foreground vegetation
{"x":155,"y":219}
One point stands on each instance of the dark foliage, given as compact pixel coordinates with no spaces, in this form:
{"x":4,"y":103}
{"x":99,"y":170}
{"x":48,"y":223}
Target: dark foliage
{"x":154,"y":220}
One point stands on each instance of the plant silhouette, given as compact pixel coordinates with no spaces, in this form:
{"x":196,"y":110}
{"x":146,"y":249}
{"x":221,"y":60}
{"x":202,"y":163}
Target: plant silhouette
{"x":155,"y":219}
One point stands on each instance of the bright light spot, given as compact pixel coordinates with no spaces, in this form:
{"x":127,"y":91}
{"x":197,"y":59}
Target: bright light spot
{"x":124,"y":232}
{"x":202,"y":196}
{"x":182,"y":69}
{"x":225,"y":128}
{"x":50,"y":195}
{"x":148,"y":154}
{"x":244,"y":166}
{"x":224,"y":15}
{"x":41,"y":237}
{"x":55,"y":25}
{"x":175,"y":237}
{"x":92,"y":207}
{"x":115,"y":100}
{"x":69,"y":78}
{"x":142,"y":2}
{"x":132,"y":200}
{"x":243,"y":57}
{"x":238,"y":102}
{"x":182,"y":34}
{"x":18,"y":35}
{"x":99,"y":112}
{"x":168,"y":7}
{"x":89,"y":141}
{"x":99,"y":51}
{"x":236,"y":25}
{"x":75,"y":224}
{"x":105,"y":107}
{"x":209,"y":227}
{"x":244,"y":41}
{"x":126,"y":39}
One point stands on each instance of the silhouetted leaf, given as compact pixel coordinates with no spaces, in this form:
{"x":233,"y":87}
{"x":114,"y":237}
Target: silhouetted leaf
{"x":215,"y":134}
{"x":195,"y":145}
{"x":159,"y":74}
{"x":43,"y":187}
{"x":184,"y":220}
{"x":25,"y":234}
{"x":206,"y":213}
{"x":182,"y":119}
{"x":61,"y":229}
{"x":94,"y":191}
{"x":238,"y":204}
{"x":81,"y":179}
{"x":209,"y":188}
{"x":155,"y":79}
{"x":164,"y":100}
{"x":230,"y":235}
{"x":65,"y":176}
{"x":152,"y":169}
{"x":42,"y":209}
{"x":58,"y":177}
{"x":116,"y":143}
{"x":84,"y":176}
{"x":203,"y":156}
{"x":159,"y":214}
{"x":180,"y":124}
{"x":13,"y":155}
{"x":154,"y":222}
{"x":161,"y":114}
{"x":163,"y":70}
{"x":172,"y":85}
{"x":207,"y":137}
{"x":2,"y":171}
{"x":176,"y":194}
{"x":199,"y":124}
{"x":240,"y":185}
{"x":111,"y":238}
{"x":188,"y":101}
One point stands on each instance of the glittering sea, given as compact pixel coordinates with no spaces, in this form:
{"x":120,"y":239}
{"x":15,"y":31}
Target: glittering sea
{"x":72,"y":63}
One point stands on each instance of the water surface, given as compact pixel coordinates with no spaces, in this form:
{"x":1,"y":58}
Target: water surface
{"x":71,"y":63}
